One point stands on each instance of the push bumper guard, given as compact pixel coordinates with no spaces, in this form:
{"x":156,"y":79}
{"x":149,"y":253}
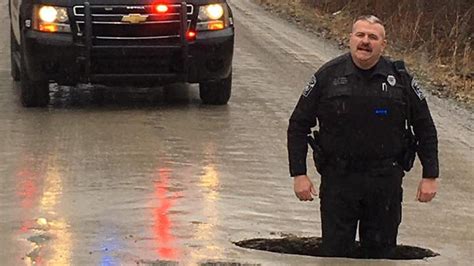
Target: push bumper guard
{"x":91,"y":50}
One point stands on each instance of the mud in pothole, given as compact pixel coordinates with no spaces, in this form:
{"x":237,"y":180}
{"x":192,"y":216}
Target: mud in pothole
{"x":311,"y":246}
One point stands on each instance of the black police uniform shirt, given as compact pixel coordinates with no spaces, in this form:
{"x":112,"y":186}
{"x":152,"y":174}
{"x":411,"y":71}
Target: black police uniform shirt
{"x":361,"y":115}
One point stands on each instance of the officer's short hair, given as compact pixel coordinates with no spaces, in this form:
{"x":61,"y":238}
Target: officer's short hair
{"x":371,"y":19}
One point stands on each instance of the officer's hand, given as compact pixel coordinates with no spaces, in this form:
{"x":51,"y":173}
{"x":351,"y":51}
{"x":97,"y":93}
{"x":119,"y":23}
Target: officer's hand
{"x":427,"y":189}
{"x":304,"y":188}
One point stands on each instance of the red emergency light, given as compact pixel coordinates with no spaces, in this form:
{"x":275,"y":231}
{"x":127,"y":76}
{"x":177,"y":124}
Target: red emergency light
{"x":161,"y":8}
{"x":191,"y":35}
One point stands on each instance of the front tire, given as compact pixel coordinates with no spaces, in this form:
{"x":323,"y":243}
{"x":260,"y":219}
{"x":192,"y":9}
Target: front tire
{"x":216,"y":92}
{"x":14,"y":48}
{"x":34,"y":93}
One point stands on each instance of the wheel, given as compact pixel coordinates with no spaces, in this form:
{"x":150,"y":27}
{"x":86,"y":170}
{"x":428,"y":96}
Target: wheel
{"x":14,"y":70}
{"x":34,"y":93}
{"x":216,"y":92}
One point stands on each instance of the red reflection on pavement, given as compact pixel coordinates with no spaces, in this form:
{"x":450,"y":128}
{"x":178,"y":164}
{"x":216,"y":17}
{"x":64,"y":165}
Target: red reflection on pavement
{"x":27,"y":188}
{"x":27,"y":192}
{"x":162,"y":224}
{"x":38,"y":261}
{"x":27,"y":225}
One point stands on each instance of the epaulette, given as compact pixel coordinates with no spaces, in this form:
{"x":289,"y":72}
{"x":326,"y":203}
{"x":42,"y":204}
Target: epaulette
{"x":400,"y":66}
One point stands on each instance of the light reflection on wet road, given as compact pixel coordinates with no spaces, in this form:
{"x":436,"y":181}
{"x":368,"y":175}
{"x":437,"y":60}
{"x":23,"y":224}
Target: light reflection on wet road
{"x":162,"y":225}
{"x":150,"y":176}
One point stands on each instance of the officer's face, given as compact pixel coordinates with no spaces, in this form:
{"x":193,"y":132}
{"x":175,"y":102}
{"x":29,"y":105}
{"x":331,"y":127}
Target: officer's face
{"x":367,"y":43}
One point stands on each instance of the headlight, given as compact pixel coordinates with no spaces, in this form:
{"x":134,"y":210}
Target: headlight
{"x":51,"y":19}
{"x":47,"y":14}
{"x":211,"y":12}
{"x":212,"y":17}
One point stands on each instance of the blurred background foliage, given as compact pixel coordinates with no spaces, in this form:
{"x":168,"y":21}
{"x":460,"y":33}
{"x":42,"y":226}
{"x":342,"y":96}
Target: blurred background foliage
{"x":434,"y":36}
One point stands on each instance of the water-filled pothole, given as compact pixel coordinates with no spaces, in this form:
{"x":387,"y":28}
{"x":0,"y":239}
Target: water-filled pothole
{"x":311,"y":246}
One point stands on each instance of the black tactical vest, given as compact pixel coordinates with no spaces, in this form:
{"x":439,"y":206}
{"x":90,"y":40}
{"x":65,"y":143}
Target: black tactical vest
{"x":363,"y":119}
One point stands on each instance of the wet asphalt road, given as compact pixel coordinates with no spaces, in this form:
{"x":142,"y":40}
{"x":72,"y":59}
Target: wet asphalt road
{"x":153,"y":177}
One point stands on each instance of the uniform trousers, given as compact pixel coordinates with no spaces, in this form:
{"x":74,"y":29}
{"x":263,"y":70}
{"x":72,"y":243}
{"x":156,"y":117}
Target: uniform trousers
{"x":370,"y":199}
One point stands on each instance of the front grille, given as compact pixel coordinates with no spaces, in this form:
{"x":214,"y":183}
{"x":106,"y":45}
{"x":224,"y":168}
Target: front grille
{"x":166,"y":64}
{"x":132,"y":24}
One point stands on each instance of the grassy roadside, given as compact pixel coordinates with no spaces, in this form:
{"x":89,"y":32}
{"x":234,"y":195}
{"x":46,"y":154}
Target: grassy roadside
{"x":438,"y":78}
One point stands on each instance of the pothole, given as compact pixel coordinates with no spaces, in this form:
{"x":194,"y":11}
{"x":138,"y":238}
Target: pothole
{"x":175,"y":263}
{"x":311,"y":246}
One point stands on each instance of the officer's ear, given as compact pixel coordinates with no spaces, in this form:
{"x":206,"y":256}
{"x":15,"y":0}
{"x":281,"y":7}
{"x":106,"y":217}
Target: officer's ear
{"x":384,"y":44}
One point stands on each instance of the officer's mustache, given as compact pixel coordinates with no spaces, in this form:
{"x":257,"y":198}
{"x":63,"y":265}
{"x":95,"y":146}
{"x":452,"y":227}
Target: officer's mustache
{"x":365,"y":48}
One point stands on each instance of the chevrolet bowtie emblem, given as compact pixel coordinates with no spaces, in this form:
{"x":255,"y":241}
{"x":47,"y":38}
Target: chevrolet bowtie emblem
{"x":134,"y":18}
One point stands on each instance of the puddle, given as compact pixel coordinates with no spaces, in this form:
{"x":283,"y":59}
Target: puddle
{"x":39,"y":239}
{"x":311,"y":246}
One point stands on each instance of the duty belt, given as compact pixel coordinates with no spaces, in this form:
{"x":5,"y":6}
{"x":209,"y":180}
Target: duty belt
{"x":360,"y":165}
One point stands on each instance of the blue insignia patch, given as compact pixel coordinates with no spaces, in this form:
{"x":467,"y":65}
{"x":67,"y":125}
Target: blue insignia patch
{"x":381,"y":112}
{"x":307,"y":90}
{"x":416,"y":88}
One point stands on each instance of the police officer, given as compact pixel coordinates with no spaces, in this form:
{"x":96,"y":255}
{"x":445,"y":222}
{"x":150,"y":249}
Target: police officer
{"x":361,"y":102}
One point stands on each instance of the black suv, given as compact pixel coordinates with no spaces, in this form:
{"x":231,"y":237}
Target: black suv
{"x":121,"y":42}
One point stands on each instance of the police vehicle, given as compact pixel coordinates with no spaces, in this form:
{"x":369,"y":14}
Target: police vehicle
{"x":121,"y":42}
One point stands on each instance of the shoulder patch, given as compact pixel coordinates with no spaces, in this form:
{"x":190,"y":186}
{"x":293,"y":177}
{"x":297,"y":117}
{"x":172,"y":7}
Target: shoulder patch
{"x":311,"y":84}
{"x":417,"y":89}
